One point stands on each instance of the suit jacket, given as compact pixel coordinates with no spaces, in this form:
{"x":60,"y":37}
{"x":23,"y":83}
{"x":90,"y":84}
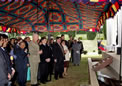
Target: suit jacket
{"x":70,"y":43}
{"x":33,"y":50}
{"x":7,"y":59}
{"x":67,"y":43}
{"x":58,"y":53}
{"x":51,"y":52}
{"x":3,"y":70}
{"x":82,"y":48}
{"x":46,"y":52}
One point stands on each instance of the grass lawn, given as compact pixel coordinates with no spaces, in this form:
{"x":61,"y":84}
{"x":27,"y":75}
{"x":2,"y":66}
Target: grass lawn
{"x":77,"y":75}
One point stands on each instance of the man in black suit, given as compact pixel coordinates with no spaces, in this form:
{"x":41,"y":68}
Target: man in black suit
{"x":70,"y":42}
{"x":45,"y":59}
{"x":59,"y":58}
{"x":6,"y":55}
{"x":5,"y":76}
{"x":82,"y":48}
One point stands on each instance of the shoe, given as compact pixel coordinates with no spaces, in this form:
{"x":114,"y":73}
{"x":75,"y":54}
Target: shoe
{"x":43,"y":82}
{"x":61,"y":77}
{"x":56,"y":78}
{"x":78,"y":65}
{"x":34,"y":85}
{"x":38,"y":84}
{"x":48,"y":80}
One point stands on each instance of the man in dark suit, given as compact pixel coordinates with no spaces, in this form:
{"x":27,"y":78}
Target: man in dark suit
{"x":70,"y":42}
{"x":45,"y":59}
{"x":6,"y":55}
{"x":59,"y":58}
{"x":82,"y":48}
{"x":4,"y":75}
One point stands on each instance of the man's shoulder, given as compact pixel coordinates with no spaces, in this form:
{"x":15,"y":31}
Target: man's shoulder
{"x":1,"y":53}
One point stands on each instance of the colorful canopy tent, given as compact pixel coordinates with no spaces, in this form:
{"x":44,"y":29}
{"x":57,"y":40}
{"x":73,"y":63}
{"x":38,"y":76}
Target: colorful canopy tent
{"x":56,"y":15}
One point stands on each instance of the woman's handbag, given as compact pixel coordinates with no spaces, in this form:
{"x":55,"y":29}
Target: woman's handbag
{"x":28,"y":74}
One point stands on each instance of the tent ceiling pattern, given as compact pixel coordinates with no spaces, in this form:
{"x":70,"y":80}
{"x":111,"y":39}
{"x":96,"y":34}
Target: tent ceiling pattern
{"x":49,"y":15}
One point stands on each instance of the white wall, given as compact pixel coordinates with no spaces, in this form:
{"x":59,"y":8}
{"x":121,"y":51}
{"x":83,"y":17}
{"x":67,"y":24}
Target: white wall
{"x":111,"y":30}
{"x":119,"y":25}
{"x":111,"y":36}
{"x":112,"y":26}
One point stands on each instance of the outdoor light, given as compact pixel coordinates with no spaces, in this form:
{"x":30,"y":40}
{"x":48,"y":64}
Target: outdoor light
{"x":90,"y":30}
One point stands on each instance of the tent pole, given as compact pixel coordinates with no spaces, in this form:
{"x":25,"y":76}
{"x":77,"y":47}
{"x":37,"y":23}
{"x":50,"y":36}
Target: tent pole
{"x":120,"y":58}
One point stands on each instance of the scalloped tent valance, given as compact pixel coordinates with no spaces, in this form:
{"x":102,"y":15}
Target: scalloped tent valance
{"x":56,"y":15}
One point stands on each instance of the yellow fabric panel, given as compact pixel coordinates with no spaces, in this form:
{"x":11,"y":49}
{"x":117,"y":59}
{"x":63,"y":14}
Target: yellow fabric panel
{"x":0,"y":28}
{"x":94,"y":0}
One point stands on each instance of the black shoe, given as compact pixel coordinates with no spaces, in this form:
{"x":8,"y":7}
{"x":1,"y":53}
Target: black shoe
{"x":43,"y":82}
{"x":61,"y":77}
{"x":78,"y":65}
{"x":34,"y":85}
{"x":56,"y":78}
{"x":48,"y":80}
{"x":38,"y":84}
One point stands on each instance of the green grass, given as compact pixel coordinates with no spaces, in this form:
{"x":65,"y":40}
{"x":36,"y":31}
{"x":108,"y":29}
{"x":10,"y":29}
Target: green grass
{"x":76,"y":75}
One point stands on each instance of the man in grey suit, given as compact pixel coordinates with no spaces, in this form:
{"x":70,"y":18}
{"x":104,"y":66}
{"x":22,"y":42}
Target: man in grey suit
{"x":34,"y":58}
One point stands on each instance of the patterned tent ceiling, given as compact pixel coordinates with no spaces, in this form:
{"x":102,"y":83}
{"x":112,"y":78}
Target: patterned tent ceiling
{"x":51,"y":15}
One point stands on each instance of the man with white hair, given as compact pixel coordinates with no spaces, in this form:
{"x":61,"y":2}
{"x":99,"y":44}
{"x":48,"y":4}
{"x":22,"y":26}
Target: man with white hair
{"x":34,"y":58}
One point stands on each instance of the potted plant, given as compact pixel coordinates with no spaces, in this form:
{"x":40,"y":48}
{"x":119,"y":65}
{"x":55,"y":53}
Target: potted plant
{"x":85,"y":52}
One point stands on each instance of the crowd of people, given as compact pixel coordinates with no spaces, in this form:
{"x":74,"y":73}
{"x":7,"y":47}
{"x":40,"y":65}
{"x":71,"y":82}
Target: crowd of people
{"x":44,"y":57}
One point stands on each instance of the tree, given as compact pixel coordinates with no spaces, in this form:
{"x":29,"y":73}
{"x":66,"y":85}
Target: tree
{"x":71,"y":33}
{"x":43,"y":34}
{"x":55,"y":34}
{"x":91,"y":35}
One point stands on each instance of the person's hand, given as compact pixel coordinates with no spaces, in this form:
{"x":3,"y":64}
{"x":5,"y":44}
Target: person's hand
{"x":40,"y":52}
{"x":13,"y":72}
{"x":65,"y":51}
{"x":55,"y":60}
{"x":28,"y":65}
{"x":9,"y":76}
{"x":48,"y":60}
{"x":28,"y":55}
{"x":25,"y":50}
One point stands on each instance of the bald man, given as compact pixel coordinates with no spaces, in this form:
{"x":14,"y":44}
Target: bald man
{"x":34,"y":58}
